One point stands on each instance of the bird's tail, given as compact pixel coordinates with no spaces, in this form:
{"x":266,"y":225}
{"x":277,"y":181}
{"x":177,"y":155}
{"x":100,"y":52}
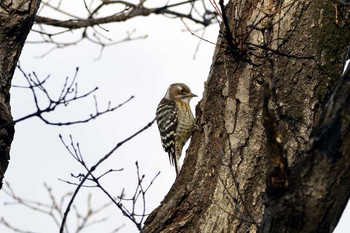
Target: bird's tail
{"x":177,"y":166}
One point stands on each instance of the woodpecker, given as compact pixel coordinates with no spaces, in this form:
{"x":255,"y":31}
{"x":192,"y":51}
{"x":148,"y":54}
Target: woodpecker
{"x":175,"y":121}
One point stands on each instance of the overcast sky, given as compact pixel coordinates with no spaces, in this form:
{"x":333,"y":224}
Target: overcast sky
{"x":143,"y":68}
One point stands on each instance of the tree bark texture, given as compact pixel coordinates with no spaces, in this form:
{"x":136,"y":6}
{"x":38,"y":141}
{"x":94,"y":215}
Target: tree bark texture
{"x":294,"y":51}
{"x":16,"y":20}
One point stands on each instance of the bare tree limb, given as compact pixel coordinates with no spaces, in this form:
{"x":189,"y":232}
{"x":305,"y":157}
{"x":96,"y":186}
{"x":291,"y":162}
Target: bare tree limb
{"x":68,"y":94}
{"x":88,"y":23}
{"x":93,"y":168}
{"x":136,"y":218}
{"x":54,"y":210}
{"x":132,"y":10}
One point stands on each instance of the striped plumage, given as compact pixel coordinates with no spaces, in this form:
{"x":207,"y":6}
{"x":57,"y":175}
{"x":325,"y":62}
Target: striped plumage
{"x":175,"y":121}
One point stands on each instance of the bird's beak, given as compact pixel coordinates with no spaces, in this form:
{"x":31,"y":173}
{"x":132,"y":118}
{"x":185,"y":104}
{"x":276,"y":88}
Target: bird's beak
{"x":188,"y":96}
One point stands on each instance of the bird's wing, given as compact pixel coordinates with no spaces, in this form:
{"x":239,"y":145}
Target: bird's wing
{"x":167,"y":124}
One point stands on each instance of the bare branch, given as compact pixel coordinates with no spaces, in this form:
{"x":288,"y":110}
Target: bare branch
{"x":13,"y":228}
{"x":93,"y":168}
{"x":54,"y":210}
{"x":194,"y":34}
{"x":91,"y":23}
{"x":68,"y":94}
{"x":140,"y":191}
{"x":133,"y":10}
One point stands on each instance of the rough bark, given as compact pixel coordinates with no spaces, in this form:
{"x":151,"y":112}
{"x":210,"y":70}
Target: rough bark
{"x":16,"y":19}
{"x":298,"y":49}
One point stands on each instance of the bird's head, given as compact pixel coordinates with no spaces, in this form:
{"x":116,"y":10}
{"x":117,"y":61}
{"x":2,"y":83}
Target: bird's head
{"x":179,"y":91}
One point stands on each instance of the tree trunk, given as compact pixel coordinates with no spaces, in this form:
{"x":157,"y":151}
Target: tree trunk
{"x":270,"y":154}
{"x":16,"y":20}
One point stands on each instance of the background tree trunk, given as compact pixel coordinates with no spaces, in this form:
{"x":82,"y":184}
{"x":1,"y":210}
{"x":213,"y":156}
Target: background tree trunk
{"x":294,"y":51}
{"x":16,"y":20}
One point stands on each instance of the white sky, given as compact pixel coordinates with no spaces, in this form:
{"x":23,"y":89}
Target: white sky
{"x":143,"y":68}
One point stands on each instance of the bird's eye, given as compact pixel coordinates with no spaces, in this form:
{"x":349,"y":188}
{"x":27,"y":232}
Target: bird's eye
{"x":181,"y":90}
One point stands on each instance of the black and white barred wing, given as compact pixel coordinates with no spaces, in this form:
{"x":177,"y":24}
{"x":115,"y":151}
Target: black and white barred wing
{"x":167,"y":121}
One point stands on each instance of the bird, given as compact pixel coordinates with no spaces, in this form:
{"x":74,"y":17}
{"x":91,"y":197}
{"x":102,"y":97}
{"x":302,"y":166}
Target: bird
{"x":175,"y":121}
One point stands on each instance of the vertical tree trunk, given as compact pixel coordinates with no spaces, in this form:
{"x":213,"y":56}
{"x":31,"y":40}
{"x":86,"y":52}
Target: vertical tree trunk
{"x":16,"y":20}
{"x":297,"y":48}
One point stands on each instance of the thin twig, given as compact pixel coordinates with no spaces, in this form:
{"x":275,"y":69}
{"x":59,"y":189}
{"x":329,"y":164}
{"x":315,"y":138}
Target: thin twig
{"x":93,"y":168}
